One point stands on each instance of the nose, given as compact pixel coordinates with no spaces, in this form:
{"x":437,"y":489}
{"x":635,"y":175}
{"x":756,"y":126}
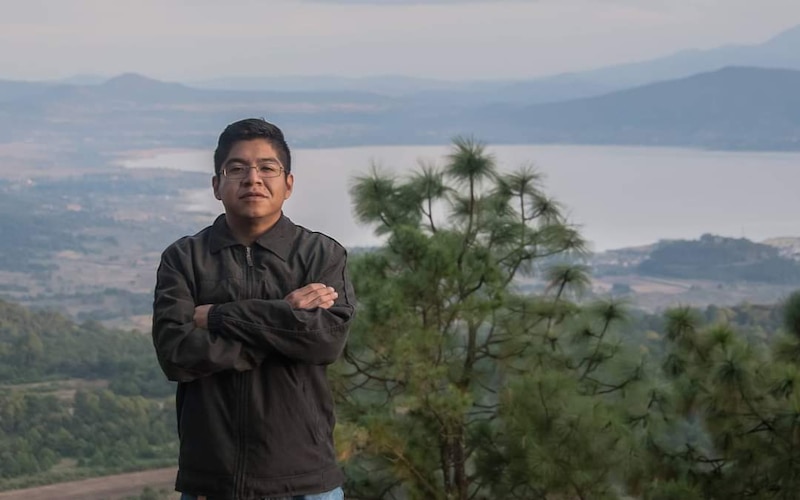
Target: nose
{"x":253,"y":177}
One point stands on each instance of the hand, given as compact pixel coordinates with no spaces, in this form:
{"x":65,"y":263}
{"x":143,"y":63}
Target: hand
{"x":311,"y":296}
{"x":201,"y":315}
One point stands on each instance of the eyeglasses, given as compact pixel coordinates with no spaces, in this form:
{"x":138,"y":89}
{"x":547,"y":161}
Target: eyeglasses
{"x":265,"y":171}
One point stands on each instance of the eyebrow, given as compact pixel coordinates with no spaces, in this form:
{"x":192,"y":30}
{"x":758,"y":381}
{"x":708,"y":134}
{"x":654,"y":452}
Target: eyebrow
{"x":270,"y":159}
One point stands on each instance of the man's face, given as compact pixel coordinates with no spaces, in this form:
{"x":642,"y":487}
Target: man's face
{"x":253,"y":199}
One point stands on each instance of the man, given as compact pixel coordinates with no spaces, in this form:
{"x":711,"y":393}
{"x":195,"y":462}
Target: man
{"x":247,"y":314}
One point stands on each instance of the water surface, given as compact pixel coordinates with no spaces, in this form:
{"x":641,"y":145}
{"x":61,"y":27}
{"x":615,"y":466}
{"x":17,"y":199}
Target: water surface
{"x":620,"y":196}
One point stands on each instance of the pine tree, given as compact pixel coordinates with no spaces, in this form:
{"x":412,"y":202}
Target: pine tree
{"x":472,"y":372}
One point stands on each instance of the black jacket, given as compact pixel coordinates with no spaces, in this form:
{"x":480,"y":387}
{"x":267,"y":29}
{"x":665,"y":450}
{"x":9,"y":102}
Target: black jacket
{"x":255,"y":412}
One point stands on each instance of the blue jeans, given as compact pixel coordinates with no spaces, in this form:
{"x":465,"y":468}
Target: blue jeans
{"x":336,"y":494}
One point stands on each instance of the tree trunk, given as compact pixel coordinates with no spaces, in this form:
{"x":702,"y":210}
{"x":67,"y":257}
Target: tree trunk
{"x":459,"y":465}
{"x":444,"y":452}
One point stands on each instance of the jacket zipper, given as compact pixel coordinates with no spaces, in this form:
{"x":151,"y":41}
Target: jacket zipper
{"x":239,"y":477}
{"x":242,"y":439}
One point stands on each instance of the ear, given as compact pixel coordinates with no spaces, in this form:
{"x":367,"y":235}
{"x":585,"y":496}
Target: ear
{"x":215,"y":186}
{"x":289,"y":186}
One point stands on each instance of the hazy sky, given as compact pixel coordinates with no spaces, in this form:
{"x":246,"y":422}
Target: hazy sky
{"x":454,"y":39}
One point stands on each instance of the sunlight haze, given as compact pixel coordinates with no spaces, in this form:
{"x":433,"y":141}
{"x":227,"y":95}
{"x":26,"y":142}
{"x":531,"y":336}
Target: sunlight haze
{"x":183,"y":40}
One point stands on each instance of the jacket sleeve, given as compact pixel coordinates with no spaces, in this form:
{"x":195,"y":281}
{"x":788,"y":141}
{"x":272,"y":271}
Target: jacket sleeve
{"x":315,"y":336}
{"x":184,"y":351}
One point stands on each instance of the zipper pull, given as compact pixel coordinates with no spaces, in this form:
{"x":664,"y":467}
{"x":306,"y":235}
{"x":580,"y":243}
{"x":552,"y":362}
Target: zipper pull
{"x":249,"y":255}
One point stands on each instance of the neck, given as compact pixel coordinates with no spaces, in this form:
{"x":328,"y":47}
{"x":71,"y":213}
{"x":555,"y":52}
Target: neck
{"x":249,"y":230}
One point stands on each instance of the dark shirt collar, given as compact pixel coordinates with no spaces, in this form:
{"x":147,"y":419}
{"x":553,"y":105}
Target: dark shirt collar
{"x":277,"y":239}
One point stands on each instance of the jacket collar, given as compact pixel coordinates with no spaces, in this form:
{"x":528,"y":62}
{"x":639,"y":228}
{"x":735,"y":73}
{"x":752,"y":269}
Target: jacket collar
{"x":277,"y":239}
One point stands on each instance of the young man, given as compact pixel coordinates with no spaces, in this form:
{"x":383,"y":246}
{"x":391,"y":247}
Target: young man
{"x":247,"y":314}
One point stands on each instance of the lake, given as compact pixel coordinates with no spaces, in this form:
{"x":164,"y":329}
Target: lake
{"x":619,"y":196}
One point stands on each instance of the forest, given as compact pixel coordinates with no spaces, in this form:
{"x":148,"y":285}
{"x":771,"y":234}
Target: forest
{"x":120,"y":415}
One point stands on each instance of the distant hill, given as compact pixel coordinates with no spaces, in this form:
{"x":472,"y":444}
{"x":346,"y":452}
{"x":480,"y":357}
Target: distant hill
{"x":780,"y":51}
{"x":387,"y":84}
{"x":732,"y":108}
{"x":460,"y":93}
{"x":135,"y":112}
{"x":714,"y":258}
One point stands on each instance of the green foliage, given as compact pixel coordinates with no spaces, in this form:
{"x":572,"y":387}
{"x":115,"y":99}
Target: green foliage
{"x":44,"y":423}
{"x":671,"y":490}
{"x":43,"y":345}
{"x":791,"y":317}
{"x":98,"y":429}
{"x":729,"y":420}
{"x":458,"y":385}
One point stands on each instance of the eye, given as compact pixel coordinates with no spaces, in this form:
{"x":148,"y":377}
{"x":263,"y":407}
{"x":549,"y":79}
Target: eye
{"x":269,"y":169}
{"x":235,"y":170}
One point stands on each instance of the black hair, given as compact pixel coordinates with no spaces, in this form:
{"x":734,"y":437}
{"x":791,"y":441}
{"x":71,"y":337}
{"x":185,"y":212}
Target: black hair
{"x":247,"y":130}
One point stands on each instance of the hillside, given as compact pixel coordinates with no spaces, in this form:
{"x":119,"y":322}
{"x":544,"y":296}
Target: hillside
{"x":721,"y":259}
{"x":715,"y":258}
{"x":39,"y":345}
{"x":135,"y":112}
{"x":711,"y":270}
{"x":78,"y":400}
{"x":732,"y":108}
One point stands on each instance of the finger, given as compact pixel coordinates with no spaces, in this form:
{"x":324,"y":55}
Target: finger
{"x":305,"y":291}
{"x":311,"y":296}
{"x":316,"y":301}
{"x":322,"y":297}
{"x":315,"y":293}
{"x":312,"y":289}
{"x":322,"y":302}
{"x":326,"y":295}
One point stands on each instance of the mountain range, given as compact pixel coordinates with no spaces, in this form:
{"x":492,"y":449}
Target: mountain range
{"x":731,"y":108}
{"x":780,"y":51}
{"x":704,"y":99}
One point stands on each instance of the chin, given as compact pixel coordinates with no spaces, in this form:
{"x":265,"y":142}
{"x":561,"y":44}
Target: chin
{"x":256,"y":215}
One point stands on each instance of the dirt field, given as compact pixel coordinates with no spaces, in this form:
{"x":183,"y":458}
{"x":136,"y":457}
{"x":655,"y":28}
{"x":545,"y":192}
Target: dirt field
{"x":100,"y":488}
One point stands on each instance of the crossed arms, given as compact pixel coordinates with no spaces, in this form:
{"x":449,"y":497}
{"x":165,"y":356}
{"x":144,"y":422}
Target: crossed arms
{"x":309,"y":325}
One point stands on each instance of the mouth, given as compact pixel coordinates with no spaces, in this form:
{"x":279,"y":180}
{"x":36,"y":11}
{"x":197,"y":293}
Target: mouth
{"x":252,"y":196}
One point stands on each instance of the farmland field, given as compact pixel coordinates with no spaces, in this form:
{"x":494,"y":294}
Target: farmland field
{"x":114,"y":487}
